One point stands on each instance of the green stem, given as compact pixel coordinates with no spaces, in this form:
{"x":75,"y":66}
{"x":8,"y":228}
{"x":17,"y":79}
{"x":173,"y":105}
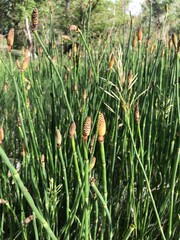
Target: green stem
{"x":66,"y":184}
{"x":174,"y":174}
{"x":26,"y":194}
{"x":86,"y":192}
{"x":57,"y":72}
{"x":93,"y":185}
{"x":104,"y":185}
{"x":76,"y":161}
{"x":147,"y":182}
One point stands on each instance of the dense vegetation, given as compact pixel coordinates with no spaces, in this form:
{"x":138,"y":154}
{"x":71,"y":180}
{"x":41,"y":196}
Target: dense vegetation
{"x":89,"y":139}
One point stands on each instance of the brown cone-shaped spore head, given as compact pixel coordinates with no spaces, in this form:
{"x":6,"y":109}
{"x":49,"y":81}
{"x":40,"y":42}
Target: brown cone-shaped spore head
{"x":101,"y":127}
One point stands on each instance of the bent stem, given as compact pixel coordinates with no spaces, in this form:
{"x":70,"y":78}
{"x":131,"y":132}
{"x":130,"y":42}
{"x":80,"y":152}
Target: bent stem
{"x":93,"y":185}
{"x":26,"y":194}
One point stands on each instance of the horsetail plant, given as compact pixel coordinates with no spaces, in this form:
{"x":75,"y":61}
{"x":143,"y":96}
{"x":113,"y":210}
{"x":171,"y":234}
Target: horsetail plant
{"x":133,"y":172}
{"x":59,"y":143}
{"x":72,"y":133}
{"x":35,"y":23}
{"x":101,"y":134}
{"x":26,"y":194}
{"x":86,"y":133}
{"x":10,"y":39}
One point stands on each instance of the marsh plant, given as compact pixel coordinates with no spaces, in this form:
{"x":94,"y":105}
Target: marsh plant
{"x":89,"y":139}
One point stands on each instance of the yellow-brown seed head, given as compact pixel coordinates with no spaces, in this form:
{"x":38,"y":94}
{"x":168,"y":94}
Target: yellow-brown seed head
{"x":111,"y":64}
{"x":5,"y":87}
{"x":1,"y":135}
{"x":23,"y":150}
{"x":101,"y":127}
{"x":130,"y":77}
{"x":28,"y":103}
{"x":123,"y":78}
{"x":58,"y":138}
{"x":74,"y":28}
{"x":72,"y":130}
{"x":84,"y":95}
{"x":92,"y":144}
{"x":137,"y":114}
{"x":75,"y":48}
{"x":75,"y":87}
{"x":140,"y":35}
{"x":42,"y":160}
{"x":69,"y":54}
{"x":34,"y":18}
{"x":65,"y":76}
{"x":18,"y":64}
{"x":90,"y":74}
{"x":10,"y":39}
{"x":66,"y":38}
{"x":134,"y":42}
{"x":170,"y":43}
{"x":174,"y":40}
{"x":28,"y":220}
{"x":87,"y":128}
{"x":3,"y":201}
{"x":25,"y":64}
{"x":67,"y":68}
{"x":92,"y":163}
{"x":26,"y":53}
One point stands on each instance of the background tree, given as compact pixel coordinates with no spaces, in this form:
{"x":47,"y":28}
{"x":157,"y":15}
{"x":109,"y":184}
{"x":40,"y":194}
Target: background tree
{"x":103,"y":13}
{"x":158,"y":13}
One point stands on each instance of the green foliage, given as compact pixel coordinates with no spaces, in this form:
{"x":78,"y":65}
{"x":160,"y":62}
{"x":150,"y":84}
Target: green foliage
{"x":158,"y":13}
{"x":100,"y":15}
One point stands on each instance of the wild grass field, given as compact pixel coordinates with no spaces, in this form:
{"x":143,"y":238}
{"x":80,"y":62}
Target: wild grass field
{"x":89,"y":139}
